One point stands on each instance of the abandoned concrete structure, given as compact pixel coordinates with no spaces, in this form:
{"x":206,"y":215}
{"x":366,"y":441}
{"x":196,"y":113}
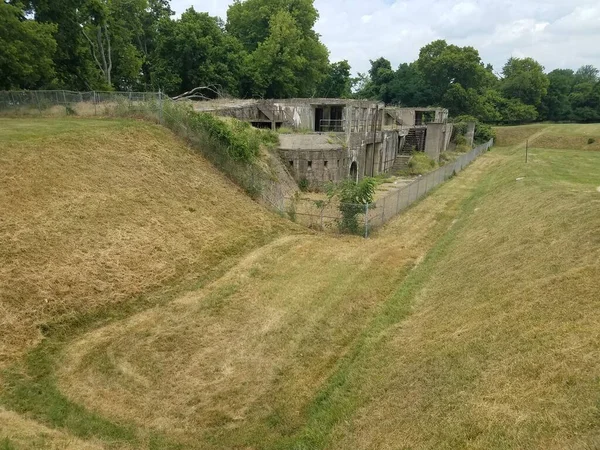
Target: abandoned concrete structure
{"x":335,"y":139}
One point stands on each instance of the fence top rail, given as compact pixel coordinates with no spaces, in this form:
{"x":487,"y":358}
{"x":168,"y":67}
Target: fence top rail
{"x":78,"y":92}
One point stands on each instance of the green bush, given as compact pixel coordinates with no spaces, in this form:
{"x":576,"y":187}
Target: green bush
{"x":304,"y":185}
{"x":460,"y":140}
{"x":483,"y":132}
{"x":353,"y":200}
{"x":420,"y":164}
{"x":240,"y":139}
{"x":591,"y":141}
{"x":269,"y":138}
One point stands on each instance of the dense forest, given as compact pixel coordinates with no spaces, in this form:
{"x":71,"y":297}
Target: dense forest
{"x":265,"y":49}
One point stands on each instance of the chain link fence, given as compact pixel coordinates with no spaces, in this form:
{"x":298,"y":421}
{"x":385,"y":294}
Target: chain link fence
{"x":328,"y":215}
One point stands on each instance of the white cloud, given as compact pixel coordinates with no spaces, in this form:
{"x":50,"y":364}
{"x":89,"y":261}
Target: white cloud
{"x":558,"y":33}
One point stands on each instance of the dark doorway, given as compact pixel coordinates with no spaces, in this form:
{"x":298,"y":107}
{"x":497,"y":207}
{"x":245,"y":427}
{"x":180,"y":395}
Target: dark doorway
{"x":354,"y":171}
{"x":318,"y":119}
{"x":369,"y":157}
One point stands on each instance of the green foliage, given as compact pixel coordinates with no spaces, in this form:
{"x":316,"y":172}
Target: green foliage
{"x":196,"y":51}
{"x":249,"y":21}
{"x":303,"y":184}
{"x":338,"y":82}
{"x":524,"y":80}
{"x":26,"y":50}
{"x":483,"y":132}
{"x":353,"y":198}
{"x":591,"y":141}
{"x":288,"y":63}
{"x":239,"y":138}
{"x":444,"y":65}
{"x":420,"y":164}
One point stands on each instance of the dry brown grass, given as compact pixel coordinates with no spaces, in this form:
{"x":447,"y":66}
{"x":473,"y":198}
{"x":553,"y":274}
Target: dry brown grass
{"x":97,"y":213}
{"x":468,"y":322}
{"x":237,"y":362}
{"x":508,"y":136}
{"x":503,"y":348}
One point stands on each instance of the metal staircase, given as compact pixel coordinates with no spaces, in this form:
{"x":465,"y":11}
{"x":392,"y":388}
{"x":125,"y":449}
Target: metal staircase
{"x":415,"y":141}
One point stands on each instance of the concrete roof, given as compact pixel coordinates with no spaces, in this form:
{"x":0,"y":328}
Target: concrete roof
{"x":312,"y":141}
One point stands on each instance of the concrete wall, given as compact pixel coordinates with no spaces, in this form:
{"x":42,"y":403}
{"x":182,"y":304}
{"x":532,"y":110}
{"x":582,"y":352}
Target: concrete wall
{"x":435,"y":140}
{"x":358,"y":116}
{"x":470,"y":135}
{"x":448,"y":136}
{"x":321,"y":158}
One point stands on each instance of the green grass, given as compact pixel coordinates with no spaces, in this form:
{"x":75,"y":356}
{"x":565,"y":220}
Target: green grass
{"x":26,"y":130}
{"x":471,"y":321}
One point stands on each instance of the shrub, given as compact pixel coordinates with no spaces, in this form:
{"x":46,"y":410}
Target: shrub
{"x":285,"y":130}
{"x":353,"y":200}
{"x":304,"y":185}
{"x":420,"y":164}
{"x":460,"y":140}
{"x":269,"y":138}
{"x":241,"y":141}
{"x":591,"y":141}
{"x":483,"y":132}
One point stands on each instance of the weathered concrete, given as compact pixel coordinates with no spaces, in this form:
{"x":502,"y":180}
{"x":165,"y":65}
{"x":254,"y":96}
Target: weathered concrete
{"x":435,"y":140}
{"x":338,"y":136}
{"x":470,"y":135}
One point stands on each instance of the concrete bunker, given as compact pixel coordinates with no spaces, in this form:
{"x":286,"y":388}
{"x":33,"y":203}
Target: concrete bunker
{"x":364,"y":137}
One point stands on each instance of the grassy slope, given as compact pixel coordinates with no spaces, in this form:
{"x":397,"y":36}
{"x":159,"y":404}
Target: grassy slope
{"x":468,"y":322}
{"x":102,"y":212}
{"x":502,"y":350}
{"x":240,"y":362}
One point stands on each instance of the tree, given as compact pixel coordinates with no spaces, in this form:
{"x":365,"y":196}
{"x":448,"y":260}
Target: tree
{"x":586,"y":74}
{"x":460,"y":100}
{"x":338,"y":82}
{"x":196,"y":51}
{"x":443,"y":65}
{"x":525,"y":80}
{"x":353,"y":197}
{"x":250,"y":20}
{"x":287,"y":63}
{"x":26,"y":50}
{"x":556,"y":104}
{"x":73,"y":62}
{"x":409,"y":88}
{"x":286,"y":56}
{"x":157,"y":12}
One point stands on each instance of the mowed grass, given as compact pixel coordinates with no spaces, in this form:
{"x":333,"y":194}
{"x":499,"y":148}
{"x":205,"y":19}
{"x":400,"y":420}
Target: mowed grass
{"x":503,"y":347}
{"x":561,"y":136}
{"x":468,"y":322}
{"x":100,"y":213}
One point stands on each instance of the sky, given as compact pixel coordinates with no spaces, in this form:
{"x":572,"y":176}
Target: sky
{"x":557,"y":33}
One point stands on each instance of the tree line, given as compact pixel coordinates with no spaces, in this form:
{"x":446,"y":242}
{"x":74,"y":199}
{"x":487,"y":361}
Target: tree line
{"x":265,"y":49}
{"x":456,"y":78}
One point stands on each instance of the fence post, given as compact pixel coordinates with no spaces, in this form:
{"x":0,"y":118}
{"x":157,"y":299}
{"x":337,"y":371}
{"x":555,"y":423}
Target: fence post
{"x":65,"y":100}
{"x":95,"y":104}
{"x":37,"y":100}
{"x":366,"y":221}
{"x":160,"y":107}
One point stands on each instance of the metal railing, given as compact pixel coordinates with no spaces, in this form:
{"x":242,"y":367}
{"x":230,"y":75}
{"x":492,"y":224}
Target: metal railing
{"x":331,"y":126}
